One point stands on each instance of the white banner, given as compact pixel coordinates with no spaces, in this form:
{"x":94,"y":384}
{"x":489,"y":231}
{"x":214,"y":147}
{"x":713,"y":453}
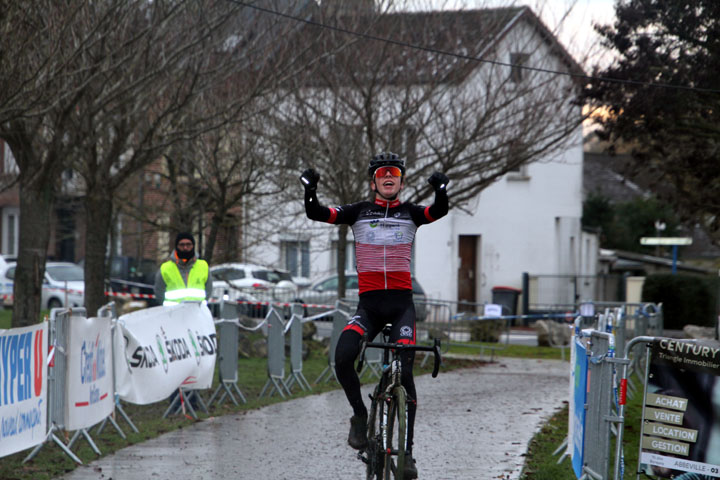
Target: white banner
{"x":89,"y":379}
{"x":23,"y":387}
{"x":162,"y":348}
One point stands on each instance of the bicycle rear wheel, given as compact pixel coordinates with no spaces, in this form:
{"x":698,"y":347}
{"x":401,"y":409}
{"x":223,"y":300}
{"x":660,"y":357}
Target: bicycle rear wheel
{"x":374,"y":449}
{"x":395,"y":439}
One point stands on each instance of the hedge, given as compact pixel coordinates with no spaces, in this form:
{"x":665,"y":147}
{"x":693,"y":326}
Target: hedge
{"x":686,"y":299}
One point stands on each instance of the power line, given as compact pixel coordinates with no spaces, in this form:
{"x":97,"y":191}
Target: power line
{"x":376,"y":38}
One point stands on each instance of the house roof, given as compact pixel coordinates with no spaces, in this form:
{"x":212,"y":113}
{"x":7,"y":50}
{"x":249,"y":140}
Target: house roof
{"x":419,"y":42}
{"x":600,"y":177}
{"x":621,"y":260}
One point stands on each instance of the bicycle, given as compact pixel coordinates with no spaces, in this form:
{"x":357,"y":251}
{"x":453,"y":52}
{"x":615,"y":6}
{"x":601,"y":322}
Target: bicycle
{"x":387,"y":419}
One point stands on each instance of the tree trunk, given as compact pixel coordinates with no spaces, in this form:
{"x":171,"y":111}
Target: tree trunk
{"x":211,"y":238}
{"x":36,"y":203}
{"x":98,"y":211}
{"x":341,"y":259}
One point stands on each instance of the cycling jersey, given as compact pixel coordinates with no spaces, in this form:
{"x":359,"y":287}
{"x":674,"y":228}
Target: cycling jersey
{"x":384,"y":233}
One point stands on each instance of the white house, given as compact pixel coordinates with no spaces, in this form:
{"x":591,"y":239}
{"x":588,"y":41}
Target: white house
{"x":527,"y":220}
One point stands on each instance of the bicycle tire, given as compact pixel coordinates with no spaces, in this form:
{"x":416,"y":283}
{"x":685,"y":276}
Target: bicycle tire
{"x":394,"y":450}
{"x":374,"y":448}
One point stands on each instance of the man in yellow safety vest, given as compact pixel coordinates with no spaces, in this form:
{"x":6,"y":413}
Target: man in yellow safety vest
{"x":183,"y":277}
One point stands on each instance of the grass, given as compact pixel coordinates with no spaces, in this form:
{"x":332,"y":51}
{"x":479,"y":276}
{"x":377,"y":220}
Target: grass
{"x":513,"y":351}
{"x":5,"y":317}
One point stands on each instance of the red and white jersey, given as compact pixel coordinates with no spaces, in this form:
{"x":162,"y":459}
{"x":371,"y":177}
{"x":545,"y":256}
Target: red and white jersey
{"x":384,"y":234}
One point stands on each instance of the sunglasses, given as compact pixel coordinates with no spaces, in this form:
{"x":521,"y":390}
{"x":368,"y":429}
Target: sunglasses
{"x":393,"y":171}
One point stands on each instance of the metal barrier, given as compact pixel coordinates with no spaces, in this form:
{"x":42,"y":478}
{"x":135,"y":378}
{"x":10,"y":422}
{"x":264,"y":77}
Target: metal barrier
{"x":600,"y":414}
{"x":110,"y":310}
{"x":610,"y":339}
{"x":607,"y":332}
{"x":227,"y":328}
{"x":276,"y":330}
{"x":59,"y":331}
{"x":295,"y":326}
{"x":57,"y":362}
{"x":599,"y":418}
{"x":340,"y":319}
{"x":276,"y":356}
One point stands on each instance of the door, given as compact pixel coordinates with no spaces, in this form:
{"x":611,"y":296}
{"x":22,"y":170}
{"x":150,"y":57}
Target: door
{"x":467,"y":271}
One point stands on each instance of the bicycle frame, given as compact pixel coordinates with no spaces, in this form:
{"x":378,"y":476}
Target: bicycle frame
{"x":388,"y":409}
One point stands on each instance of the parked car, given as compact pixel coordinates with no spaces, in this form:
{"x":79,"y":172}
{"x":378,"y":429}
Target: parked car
{"x":235,"y":281}
{"x":63,"y":285}
{"x":324,"y":292}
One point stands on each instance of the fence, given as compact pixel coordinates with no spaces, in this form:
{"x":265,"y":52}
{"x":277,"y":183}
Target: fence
{"x":78,"y":383}
{"x":606,"y":336}
{"x":674,"y":437}
{"x":546,"y":293}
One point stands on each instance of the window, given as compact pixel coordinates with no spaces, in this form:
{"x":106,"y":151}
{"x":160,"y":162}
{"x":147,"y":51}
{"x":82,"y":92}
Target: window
{"x":228,"y":274}
{"x":516,"y":153}
{"x":296,"y":254}
{"x":351,"y":282}
{"x":272,"y":276}
{"x":65,"y":273}
{"x":518,"y":173}
{"x":116,"y":267}
{"x":10,"y":230}
{"x":330,"y":284}
{"x":518,"y":60}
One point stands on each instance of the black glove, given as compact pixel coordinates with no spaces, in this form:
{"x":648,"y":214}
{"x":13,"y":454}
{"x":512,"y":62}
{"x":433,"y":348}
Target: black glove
{"x":309,"y":179}
{"x":438,"y":181}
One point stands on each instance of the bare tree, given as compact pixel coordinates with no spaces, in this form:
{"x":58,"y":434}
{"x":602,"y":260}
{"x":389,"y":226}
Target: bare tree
{"x":37,"y":99}
{"x":105,"y":90}
{"x":447,"y":106}
{"x":191,"y":53}
{"x":208,"y":176}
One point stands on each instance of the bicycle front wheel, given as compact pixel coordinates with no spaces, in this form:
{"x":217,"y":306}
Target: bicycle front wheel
{"x":394,"y":438}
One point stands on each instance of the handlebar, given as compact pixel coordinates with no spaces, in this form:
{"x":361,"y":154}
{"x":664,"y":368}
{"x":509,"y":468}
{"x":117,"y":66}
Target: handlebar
{"x":435,"y":348}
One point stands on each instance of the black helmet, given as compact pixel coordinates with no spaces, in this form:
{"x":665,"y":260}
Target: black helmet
{"x":386,"y":159}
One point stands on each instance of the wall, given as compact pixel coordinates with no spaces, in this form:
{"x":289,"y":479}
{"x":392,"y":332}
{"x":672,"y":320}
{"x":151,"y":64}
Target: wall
{"x":525,"y":226}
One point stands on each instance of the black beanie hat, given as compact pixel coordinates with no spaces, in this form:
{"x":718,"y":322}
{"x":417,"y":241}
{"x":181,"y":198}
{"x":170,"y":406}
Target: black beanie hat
{"x":184,"y":236}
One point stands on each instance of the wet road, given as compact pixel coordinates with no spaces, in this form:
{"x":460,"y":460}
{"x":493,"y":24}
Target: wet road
{"x":472,"y":424}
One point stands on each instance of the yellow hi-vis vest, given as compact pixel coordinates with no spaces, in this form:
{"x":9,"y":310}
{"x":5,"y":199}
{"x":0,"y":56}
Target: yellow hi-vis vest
{"x":175,"y":289}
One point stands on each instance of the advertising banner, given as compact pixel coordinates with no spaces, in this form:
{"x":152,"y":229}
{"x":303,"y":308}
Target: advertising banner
{"x":577,"y":413}
{"x":89,"y":378}
{"x":681,"y":422}
{"x":23,"y":388}
{"x":159,"y":349}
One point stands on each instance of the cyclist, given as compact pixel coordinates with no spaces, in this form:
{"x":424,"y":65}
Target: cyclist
{"x":384,"y":231}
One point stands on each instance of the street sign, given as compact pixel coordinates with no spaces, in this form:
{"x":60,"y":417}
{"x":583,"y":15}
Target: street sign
{"x":666,"y":241}
{"x":674,"y":241}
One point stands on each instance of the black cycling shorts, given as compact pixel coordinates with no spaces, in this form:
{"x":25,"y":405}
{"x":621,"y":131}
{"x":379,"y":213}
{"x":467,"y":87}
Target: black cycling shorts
{"x":380,"y":307}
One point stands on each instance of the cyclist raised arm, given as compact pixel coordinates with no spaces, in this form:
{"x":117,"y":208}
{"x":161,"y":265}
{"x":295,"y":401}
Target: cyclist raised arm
{"x":384,"y":232}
